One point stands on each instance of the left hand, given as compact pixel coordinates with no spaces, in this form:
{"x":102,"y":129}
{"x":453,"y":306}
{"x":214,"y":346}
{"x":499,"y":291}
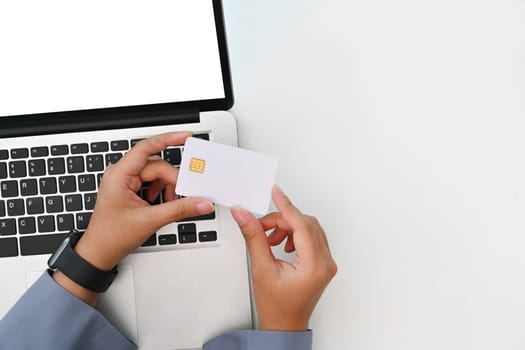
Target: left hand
{"x":286,"y":292}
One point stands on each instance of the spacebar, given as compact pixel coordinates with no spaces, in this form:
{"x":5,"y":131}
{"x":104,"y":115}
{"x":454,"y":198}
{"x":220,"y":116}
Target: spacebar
{"x":45,"y":244}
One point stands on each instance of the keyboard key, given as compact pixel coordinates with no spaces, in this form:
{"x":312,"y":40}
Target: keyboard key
{"x":9,"y":189}
{"x":3,"y":170}
{"x":40,"y":244}
{"x":95,"y":163}
{"x":207,"y":236}
{"x":65,"y":222}
{"x":86,"y":183}
{"x":35,"y":205}
{"x":187,"y":233}
{"x":202,"y":136}
{"x":172,"y":156}
{"x":56,"y":166}
{"x":26,"y":225}
{"x":15,"y":207}
{"x":151,"y":241}
{"x":7,"y":227}
{"x":187,"y":228}
{"x":46,"y":223}
{"x":48,"y":185}
{"x":17,"y":169}
{"x":97,"y":147}
{"x":28,"y":187}
{"x":59,"y":150}
{"x":83,"y":220}
{"x":8,"y":247}
{"x":99,"y":178}
{"x":39,"y":152}
{"x":73,"y":202}
{"x":79,"y":148}
{"x":135,"y":141}
{"x":75,"y":164}
{"x":19,"y":153}
{"x":54,"y":204}
{"x":120,"y":145}
{"x":188,"y":238}
{"x":2,"y":208}
{"x":67,"y":184}
{"x":167,"y":239}
{"x":37,"y":167}
{"x":89,"y":200}
{"x":4,"y":154}
{"x":112,"y":158}
{"x":209,"y":216}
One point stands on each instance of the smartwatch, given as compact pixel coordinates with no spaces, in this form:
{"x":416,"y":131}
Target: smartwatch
{"x":77,"y":269}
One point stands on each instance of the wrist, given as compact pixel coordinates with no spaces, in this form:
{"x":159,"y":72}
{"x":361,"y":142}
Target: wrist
{"x":86,"y":295}
{"x":283,"y":325}
{"x":93,"y":253}
{"x":76,"y":273}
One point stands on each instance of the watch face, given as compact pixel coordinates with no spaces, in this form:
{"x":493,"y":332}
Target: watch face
{"x":53,"y":259}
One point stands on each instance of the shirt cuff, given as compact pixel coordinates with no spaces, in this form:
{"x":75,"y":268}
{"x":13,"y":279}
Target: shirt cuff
{"x":261,"y":340}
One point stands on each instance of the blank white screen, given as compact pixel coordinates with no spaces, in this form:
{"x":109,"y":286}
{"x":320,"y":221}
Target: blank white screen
{"x":62,"y":55}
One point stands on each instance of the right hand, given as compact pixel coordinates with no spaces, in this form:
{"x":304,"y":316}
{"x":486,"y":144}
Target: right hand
{"x":286,"y":293}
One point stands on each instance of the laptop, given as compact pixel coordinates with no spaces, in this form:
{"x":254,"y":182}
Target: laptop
{"x":80,"y":84}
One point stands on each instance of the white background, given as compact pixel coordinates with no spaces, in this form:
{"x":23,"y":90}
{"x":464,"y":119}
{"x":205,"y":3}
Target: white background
{"x":400,"y":125}
{"x":65,"y":55}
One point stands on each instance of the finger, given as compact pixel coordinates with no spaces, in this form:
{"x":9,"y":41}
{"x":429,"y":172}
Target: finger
{"x":277,"y":236}
{"x":169,"y":193}
{"x":305,"y":243}
{"x":154,"y":190}
{"x":163,"y":214}
{"x":133,"y":162}
{"x":159,"y":169}
{"x":290,"y":213}
{"x":254,"y":236}
{"x":282,"y":231}
{"x":274,"y":220}
{"x":289,"y":246}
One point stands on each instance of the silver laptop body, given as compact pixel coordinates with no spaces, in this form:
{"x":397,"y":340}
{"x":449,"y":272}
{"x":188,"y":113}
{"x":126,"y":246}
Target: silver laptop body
{"x":182,"y":287}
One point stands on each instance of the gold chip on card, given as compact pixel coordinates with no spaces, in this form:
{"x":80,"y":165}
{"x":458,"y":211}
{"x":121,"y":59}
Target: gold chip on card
{"x":197,"y":165}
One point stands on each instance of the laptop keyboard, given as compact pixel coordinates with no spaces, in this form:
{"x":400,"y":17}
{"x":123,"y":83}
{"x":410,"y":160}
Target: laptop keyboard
{"x":46,"y":191}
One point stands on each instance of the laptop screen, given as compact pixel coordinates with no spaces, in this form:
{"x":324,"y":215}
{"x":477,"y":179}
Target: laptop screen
{"x":62,"y":55}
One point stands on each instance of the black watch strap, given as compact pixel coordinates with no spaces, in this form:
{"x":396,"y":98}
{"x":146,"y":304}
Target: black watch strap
{"x":79,"y":270}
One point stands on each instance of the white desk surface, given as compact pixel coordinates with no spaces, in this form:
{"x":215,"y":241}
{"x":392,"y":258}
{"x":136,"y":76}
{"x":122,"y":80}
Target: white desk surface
{"x":400,"y":125}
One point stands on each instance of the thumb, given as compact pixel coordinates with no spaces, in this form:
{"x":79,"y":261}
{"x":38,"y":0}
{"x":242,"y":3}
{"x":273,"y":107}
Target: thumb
{"x":254,"y":235}
{"x":162,"y":214}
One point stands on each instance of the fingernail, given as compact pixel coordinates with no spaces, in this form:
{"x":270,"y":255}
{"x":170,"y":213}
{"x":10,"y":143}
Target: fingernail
{"x":204,"y":207}
{"x":239,"y":215}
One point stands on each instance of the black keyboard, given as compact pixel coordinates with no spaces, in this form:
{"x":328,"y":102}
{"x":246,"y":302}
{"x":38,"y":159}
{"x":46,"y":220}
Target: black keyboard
{"x":46,"y":191}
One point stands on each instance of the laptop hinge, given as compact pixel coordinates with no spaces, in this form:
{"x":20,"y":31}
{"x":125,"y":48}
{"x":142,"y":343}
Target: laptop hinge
{"x":64,"y":123}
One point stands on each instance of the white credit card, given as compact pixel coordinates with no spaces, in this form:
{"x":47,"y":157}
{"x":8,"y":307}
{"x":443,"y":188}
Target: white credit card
{"x":227,"y":175}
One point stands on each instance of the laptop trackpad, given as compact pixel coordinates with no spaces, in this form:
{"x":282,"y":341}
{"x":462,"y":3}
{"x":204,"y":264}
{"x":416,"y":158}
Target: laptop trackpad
{"x":118,"y":303}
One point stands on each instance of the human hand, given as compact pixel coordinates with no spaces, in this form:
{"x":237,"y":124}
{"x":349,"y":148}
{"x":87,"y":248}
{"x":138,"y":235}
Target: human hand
{"x":121,"y":220}
{"x":286,"y":293}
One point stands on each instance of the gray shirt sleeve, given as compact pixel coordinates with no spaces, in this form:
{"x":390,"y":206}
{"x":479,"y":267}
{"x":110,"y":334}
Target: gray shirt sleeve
{"x":49,"y":317}
{"x":261,"y":340}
